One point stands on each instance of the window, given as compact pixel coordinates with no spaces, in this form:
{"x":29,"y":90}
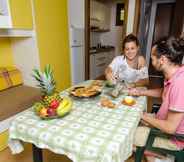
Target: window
{"x":120,"y":12}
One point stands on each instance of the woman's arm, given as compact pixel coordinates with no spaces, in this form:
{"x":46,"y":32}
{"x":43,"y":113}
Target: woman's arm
{"x":109,"y":74}
{"x":144,"y":73}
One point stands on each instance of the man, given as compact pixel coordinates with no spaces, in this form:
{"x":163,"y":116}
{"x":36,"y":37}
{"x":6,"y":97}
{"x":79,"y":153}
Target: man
{"x":167,"y":57}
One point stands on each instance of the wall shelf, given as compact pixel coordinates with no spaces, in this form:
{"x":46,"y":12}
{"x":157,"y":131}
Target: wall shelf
{"x":16,"y":33}
{"x":100,"y":30}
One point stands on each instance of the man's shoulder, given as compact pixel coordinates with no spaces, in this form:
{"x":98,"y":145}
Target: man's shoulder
{"x":178,"y":80}
{"x":180,"y":75}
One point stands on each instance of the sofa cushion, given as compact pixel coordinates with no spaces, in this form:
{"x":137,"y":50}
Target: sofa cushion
{"x":17,"y":99}
{"x":9,"y":77}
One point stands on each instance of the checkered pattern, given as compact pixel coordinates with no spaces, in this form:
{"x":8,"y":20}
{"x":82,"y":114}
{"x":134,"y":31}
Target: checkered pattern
{"x":90,"y":133}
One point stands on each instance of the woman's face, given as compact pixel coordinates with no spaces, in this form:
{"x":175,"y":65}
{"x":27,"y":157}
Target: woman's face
{"x":131,"y":50}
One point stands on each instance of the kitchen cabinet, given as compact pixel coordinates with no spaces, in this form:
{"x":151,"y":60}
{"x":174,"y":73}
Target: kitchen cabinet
{"x":99,"y":15}
{"x":99,"y":62}
{"x":92,"y":67}
{"x":110,"y":57}
{"x":105,"y":24}
{"x":16,"y":14}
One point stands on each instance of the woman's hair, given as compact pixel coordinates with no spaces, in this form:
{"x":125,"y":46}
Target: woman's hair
{"x":130,"y":38}
{"x":172,"y":48}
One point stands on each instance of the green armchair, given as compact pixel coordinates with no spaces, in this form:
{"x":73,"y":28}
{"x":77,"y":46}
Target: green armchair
{"x":179,"y":155}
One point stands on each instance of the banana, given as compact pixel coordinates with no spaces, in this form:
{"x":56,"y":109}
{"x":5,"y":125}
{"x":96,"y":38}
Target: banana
{"x":64,"y":107}
{"x":64,"y":102}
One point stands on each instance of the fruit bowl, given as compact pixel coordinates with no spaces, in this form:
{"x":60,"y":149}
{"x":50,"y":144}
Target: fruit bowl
{"x":54,"y":110}
{"x":129,"y":101}
{"x":52,"y":105}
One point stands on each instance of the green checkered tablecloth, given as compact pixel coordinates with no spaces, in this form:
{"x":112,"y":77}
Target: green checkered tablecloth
{"x":90,"y":133}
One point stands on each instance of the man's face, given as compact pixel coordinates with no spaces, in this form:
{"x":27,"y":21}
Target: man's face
{"x":156,"y":62}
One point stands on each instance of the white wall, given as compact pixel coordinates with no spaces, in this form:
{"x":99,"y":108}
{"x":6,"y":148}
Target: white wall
{"x":26,"y":55}
{"x":76,"y":12}
{"x":26,"y":58}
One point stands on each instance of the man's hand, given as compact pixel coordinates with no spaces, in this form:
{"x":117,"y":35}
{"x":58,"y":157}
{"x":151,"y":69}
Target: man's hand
{"x":145,"y":116}
{"x":135,"y":92}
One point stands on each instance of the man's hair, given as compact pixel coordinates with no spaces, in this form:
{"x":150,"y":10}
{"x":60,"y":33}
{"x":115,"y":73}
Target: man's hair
{"x":130,"y":38}
{"x":172,"y":48}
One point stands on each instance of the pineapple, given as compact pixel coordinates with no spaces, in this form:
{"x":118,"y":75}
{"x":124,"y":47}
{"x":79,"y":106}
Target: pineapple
{"x":47,"y":85}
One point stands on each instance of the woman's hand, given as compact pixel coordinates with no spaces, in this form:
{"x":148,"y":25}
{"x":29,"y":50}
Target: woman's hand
{"x":109,"y":75}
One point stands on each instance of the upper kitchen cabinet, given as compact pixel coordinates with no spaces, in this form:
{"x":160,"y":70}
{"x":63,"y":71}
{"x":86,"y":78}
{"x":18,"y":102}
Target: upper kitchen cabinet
{"x":16,"y":14}
{"x":99,"y":16}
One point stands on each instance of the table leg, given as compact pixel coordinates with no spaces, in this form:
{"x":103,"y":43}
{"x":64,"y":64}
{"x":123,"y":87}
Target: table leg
{"x":37,"y":154}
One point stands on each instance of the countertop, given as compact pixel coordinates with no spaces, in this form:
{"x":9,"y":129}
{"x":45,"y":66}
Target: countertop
{"x":99,"y":50}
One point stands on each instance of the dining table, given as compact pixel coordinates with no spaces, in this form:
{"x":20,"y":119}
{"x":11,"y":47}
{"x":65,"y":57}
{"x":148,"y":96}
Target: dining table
{"x":89,"y":133}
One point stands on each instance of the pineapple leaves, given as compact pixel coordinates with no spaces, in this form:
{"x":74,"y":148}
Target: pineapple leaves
{"x":46,"y":80}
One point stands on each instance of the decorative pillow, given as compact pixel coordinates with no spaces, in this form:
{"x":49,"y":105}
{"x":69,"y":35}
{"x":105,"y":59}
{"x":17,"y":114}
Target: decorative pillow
{"x":9,"y":77}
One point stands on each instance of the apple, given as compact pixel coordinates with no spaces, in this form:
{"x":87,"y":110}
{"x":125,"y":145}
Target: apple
{"x":51,"y":112}
{"x":54,"y":104}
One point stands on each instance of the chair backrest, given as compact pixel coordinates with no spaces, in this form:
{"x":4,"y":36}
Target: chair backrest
{"x":178,"y":154}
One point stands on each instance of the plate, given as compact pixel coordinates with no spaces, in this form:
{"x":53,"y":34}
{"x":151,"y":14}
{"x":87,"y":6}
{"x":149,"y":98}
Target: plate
{"x":83,"y":92}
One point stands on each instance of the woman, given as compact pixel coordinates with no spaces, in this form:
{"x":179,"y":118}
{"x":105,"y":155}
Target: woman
{"x":129,"y":67}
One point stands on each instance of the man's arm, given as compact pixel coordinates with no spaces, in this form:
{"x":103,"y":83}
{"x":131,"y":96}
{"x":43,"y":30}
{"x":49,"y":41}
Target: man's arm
{"x":149,"y":92}
{"x":142,"y":82}
{"x":169,"y":125}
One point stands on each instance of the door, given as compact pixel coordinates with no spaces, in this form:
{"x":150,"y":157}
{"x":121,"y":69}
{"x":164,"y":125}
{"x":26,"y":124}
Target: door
{"x":162,"y":28}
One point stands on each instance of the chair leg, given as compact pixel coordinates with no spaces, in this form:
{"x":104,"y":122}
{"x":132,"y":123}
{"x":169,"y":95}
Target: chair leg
{"x":179,"y":158}
{"x":139,"y":154}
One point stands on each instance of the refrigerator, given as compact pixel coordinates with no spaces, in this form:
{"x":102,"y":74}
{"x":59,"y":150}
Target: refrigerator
{"x":77,"y":57}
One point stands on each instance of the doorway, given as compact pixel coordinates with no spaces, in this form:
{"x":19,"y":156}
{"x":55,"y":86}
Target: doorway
{"x":156,"y":21}
{"x":94,"y":34}
{"x":162,"y":14}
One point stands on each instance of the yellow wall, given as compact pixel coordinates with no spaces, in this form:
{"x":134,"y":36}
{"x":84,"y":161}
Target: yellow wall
{"x":6,"y":57}
{"x":52,"y":36}
{"x":21,"y":13}
{"x":53,"y":43}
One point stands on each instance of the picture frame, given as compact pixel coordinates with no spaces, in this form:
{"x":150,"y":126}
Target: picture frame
{"x":120,"y":14}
